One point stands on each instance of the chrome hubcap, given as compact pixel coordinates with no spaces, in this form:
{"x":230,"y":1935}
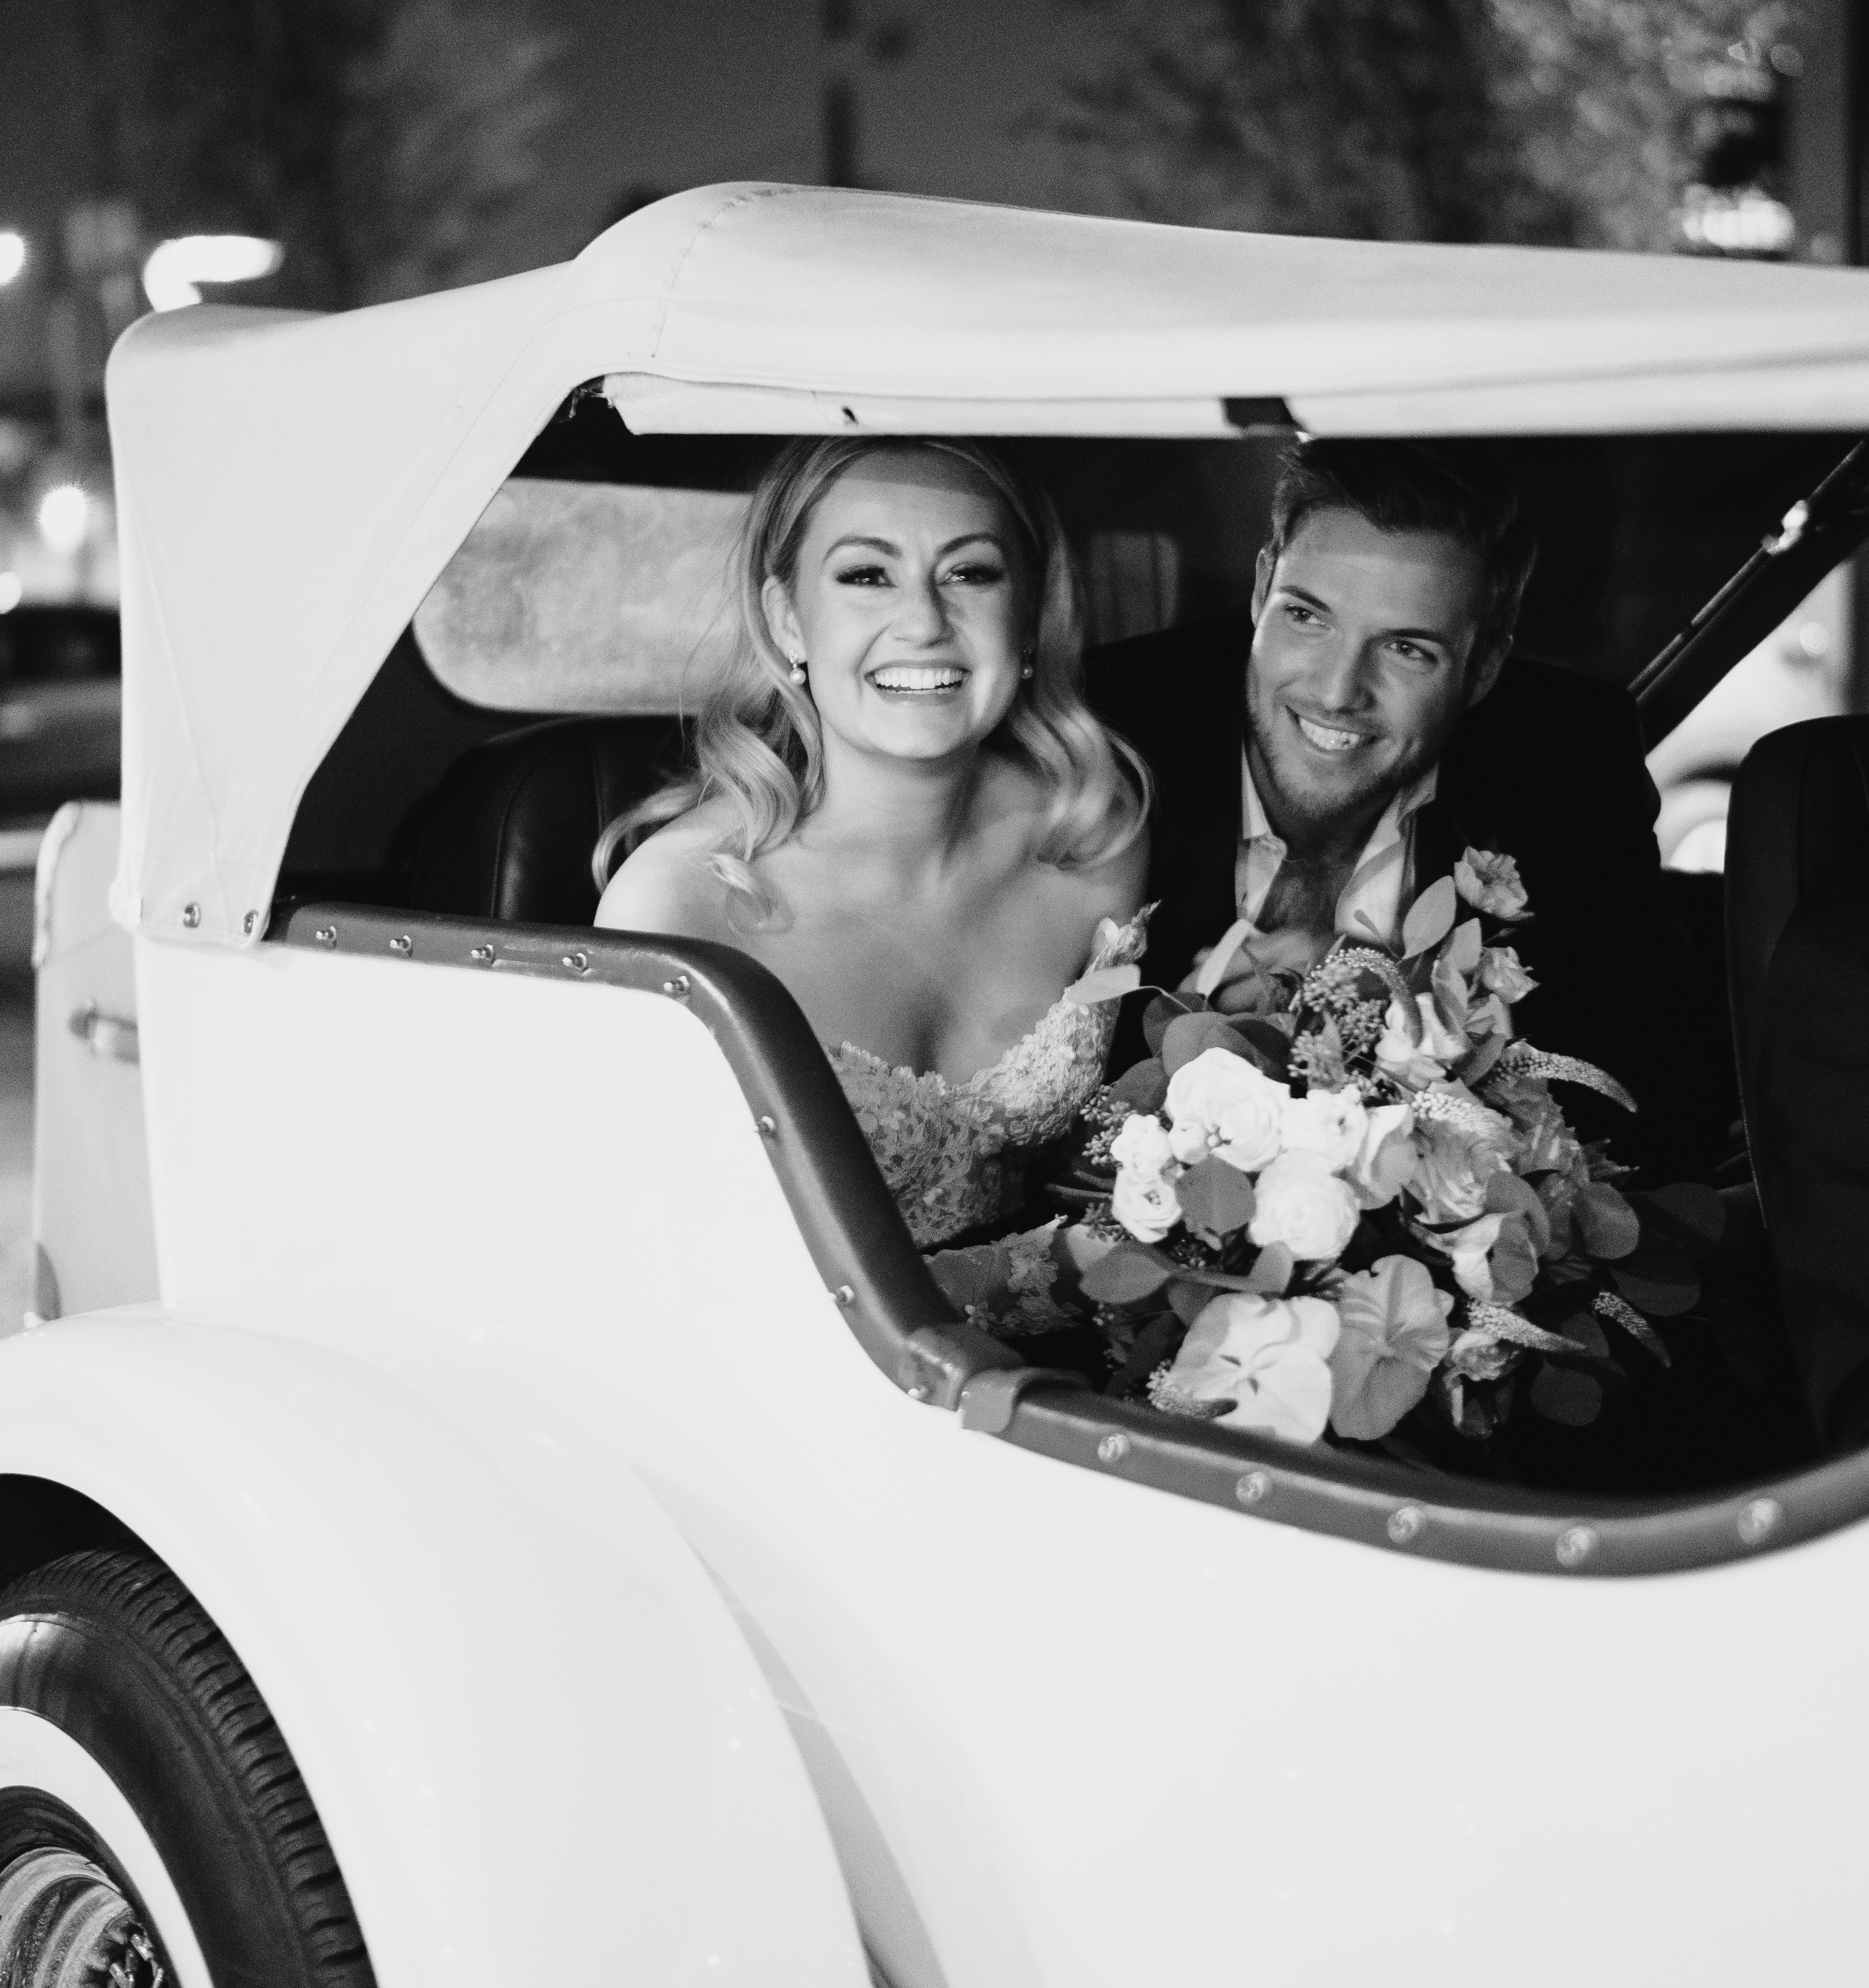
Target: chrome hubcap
{"x":64,"y":1924}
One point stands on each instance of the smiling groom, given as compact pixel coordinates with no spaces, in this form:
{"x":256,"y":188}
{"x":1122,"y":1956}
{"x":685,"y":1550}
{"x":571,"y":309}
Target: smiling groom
{"x":1317,"y":770}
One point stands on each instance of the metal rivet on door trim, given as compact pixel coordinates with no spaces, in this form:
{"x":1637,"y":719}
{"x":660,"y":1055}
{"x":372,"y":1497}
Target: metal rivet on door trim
{"x":680,"y":987}
{"x":1114,"y":1447}
{"x":766,"y":1126}
{"x":1407,"y":1523}
{"x":1758,"y":1520}
{"x":191,"y":915}
{"x":844,"y":1295}
{"x":482,"y":956}
{"x":404,"y":945}
{"x":1575,"y":1545}
{"x":325,"y":935}
{"x":1253,"y":1486}
{"x":576,"y":961}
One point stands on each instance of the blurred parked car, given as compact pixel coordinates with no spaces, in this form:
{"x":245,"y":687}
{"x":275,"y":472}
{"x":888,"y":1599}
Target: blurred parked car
{"x":61,"y":708}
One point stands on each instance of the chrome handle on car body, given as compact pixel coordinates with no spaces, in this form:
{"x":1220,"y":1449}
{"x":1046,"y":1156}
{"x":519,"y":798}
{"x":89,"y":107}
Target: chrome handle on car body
{"x":113,"y":1035}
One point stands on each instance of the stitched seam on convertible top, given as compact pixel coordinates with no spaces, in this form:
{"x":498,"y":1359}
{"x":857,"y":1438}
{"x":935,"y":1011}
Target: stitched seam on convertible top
{"x":720,"y":214}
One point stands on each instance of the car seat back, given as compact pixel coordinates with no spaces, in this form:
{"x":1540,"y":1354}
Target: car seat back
{"x":1798,"y":935}
{"x":509,"y":832}
{"x":1797,"y":839}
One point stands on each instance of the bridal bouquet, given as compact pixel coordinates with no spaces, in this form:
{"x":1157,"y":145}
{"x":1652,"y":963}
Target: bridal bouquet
{"x":1365,"y":1204}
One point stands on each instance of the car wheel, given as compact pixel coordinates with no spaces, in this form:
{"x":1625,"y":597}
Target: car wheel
{"x":154,"y":1829}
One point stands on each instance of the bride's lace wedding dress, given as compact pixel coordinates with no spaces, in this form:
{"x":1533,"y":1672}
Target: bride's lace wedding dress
{"x":954,"y":1155}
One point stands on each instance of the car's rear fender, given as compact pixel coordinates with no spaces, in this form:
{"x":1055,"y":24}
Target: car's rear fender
{"x":532,"y":1743}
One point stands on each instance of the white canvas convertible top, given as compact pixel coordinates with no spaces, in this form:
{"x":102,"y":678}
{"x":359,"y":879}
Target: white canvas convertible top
{"x":290,"y":486}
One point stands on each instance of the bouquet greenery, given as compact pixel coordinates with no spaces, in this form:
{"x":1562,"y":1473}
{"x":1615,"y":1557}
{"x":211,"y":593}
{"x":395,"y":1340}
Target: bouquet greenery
{"x":1363,"y":1204}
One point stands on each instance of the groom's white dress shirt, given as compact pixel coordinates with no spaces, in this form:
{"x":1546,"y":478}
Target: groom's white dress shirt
{"x":1378,"y":889}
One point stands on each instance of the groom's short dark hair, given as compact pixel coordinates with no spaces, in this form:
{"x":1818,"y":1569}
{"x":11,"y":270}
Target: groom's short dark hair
{"x":1456,"y":490}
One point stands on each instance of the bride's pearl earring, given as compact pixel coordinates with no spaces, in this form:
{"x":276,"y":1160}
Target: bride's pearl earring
{"x":798,"y":669}
{"x":1025,"y":662}
{"x":1025,"y":671}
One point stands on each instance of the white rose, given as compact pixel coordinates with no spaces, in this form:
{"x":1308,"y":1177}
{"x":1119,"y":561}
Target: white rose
{"x":1220,"y":1103}
{"x":1417,"y":1063}
{"x":1303,"y":1204}
{"x":1503,"y":973}
{"x":1328,"y":1123}
{"x":1145,"y":1203}
{"x":1387,"y":1160}
{"x":1142,"y":1146}
{"x":1490,"y":883}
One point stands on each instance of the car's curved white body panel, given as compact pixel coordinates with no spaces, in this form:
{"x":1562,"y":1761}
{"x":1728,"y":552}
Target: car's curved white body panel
{"x":1069,"y":1731}
{"x":539,"y":1744}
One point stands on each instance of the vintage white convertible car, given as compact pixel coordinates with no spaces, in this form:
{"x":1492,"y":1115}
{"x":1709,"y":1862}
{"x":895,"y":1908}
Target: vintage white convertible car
{"x":491,"y":1493}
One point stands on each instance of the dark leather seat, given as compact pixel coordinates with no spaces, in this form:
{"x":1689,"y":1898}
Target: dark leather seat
{"x":1797,"y":911}
{"x":509,"y":832}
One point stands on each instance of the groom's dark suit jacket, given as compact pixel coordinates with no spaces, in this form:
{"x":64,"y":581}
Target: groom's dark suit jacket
{"x":1548,"y":768}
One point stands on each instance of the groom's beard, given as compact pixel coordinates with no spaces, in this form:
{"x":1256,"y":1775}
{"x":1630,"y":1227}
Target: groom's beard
{"x":1305,"y":809}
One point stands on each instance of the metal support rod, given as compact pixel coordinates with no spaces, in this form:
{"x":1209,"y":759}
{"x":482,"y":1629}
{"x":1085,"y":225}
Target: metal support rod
{"x":1816,"y":534}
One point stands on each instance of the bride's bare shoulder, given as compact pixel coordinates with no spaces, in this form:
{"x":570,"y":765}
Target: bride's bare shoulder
{"x":665,"y":885}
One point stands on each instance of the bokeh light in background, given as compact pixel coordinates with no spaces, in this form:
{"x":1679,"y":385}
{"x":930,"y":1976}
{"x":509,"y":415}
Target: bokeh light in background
{"x":64,"y":517}
{"x":12,"y":255}
{"x":12,"y":591}
{"x":175,"y":269}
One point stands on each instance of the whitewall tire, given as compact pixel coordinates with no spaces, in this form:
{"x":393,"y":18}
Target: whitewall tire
{"x":153,"y":1829}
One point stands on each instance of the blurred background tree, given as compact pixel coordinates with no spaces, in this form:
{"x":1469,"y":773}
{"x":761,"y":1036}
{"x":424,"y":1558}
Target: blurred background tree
{"x":393,"y":146}
{"x":1557,"y":121}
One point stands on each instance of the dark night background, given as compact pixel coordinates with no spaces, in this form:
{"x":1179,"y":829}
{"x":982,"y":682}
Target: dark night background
{"x":658,"y":93}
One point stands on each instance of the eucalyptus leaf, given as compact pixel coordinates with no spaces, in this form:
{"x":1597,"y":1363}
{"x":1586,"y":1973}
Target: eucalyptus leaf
{"x":1108,"y":983}
{"x":1164,"y":1008}
{"x":978,"y":1275}
{"x":1610,"y":1227}
{"x":1270,"y":1035}
{"x":1485,"y":1054}
{"x":1126,"y":1276}
{"x":1691,"y":1216}
{"x":1567,"y":1394}
{"x":1506,"y":1194}
{"x":1189,"y":1299}
{"x":1215,"y":1196}
{"x":1659,"y":1300}
{"x":1430,"y":917}
{"x":1588,"y":1333}
{"x":1270,"y":1275}
{"x":1157,"y":1341}
{"x":1189,"y":1036}
{"x":1462,"y":950}
{"x":1143,"y":1086}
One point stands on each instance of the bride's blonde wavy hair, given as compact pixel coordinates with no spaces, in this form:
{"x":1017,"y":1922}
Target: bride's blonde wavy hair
{"x":758,"y":746}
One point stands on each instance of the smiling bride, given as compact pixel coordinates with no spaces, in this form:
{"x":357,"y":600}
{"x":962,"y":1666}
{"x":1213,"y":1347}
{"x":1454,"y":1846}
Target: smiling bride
{"x":900,"y":803}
